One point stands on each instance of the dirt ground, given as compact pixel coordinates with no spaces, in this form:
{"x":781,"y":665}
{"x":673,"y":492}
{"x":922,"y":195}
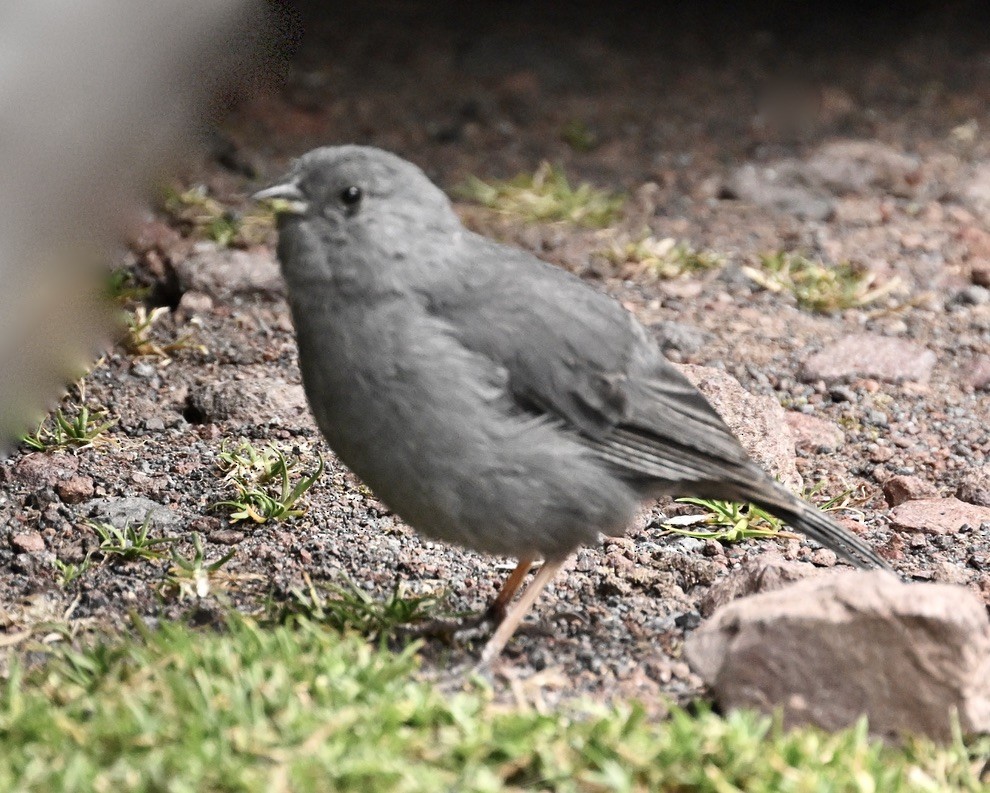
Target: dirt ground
{"x":851,"y":138}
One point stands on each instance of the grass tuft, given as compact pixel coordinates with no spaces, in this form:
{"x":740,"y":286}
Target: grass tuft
{"x":76,"y":428}
{"x":121,"y":287}
{"x":70,"y":573}
{"x":194,"y":577}
{"x":264,"y":489}
{"x":652,"y":259}
{"x":729,"y":522}
{"x":817,"y":286}
{"x":129,"y":543}
{"x":546,"y":195}
{"x":345,"y":606}
{"x":579,"y":136}
{"x":138,"y":339}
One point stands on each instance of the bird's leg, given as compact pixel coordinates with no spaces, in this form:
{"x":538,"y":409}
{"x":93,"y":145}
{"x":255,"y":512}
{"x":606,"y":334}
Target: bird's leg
{"x":496,"y":611}
{"x":514,"y":615}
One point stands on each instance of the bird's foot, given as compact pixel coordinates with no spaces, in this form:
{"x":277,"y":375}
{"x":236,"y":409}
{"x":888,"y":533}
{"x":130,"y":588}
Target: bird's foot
{"x":446,"y":630}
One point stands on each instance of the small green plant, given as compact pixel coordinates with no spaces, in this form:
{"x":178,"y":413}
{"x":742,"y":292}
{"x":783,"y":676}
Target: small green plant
{"x":193,"y":576}
{"x":138,"y":339}
{"x":129,"y":543}
{"x":733,"y":522}
{"x":205,"y":217}
{"x":817,"y":286}
{"x":546,"y":195}
{"x":75,"y":429}
{"x":248,"y":463}
{"x":346,"y":607}
{"x":655,"y":259}
{"x":70,"y":573}
{"x":729,"y":521}
{"x":264,"y":489}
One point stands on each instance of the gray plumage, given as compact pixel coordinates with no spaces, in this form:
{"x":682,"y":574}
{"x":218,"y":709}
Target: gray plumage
{"x":489,"y":398}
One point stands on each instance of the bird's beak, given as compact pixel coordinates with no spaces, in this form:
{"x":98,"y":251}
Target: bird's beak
{"x":285,"y":198}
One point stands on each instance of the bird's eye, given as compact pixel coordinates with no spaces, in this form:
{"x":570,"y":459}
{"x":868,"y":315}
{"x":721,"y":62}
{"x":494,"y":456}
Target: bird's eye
{"x":350,"y":196}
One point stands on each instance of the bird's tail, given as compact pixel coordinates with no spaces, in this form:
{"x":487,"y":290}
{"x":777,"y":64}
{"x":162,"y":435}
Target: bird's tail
{"x":814,"y":523}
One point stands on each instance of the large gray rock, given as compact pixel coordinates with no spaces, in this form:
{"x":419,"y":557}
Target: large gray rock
{"x":859,"y":166}
{"x":828,"y":650}
{"x":265,"y":400}
{"x":133,"y":511}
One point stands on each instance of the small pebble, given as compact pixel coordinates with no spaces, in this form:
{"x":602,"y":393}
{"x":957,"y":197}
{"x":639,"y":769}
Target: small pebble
{"x":823,"y":557}
{"x":974,"y":296}
{"x":27,"y":542}
{"x":142,"y":369}
{"x":842,"y":393}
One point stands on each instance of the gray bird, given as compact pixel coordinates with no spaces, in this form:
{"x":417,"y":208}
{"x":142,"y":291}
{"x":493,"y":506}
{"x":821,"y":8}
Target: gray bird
{"x":489,"y":398}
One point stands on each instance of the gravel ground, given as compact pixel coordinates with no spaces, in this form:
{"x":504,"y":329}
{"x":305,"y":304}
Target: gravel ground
{"x":860,"y":140}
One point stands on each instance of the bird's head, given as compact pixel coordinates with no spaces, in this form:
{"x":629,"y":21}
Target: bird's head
{"x":354,"y":206}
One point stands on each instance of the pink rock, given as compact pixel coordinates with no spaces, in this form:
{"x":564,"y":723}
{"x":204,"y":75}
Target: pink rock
{"x":865,"y":355}
{"x":813,"y":435}
{"x":830,"y":649}
{"x":767,"y":572}
{"x":938,"y":515}
{"x":899,"y":489}
{"x":758,"y":421}
{"x":39,"y":469}
{"x":975,"y":487}
{"x":28,"y":542}
{"x":75,"y":489}
{"x":977,"y":376}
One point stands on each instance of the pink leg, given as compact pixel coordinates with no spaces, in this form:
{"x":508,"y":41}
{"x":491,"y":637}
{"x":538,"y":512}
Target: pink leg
{"x":515,"y":615}
{"x":497,"y":610}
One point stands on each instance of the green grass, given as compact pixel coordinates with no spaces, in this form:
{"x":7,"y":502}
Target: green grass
{"x":817,"y":286}
{"x":546,"y":195}
{"x":303,"y":708}
{"x":662,"y":259}
{"x":70,"y":573}
{"x":193,"y":576}
{"x":121,"y":287}
{"x":579,"y":136}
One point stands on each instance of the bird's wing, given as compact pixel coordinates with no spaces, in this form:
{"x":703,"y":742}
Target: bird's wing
{"x":578,"y":356}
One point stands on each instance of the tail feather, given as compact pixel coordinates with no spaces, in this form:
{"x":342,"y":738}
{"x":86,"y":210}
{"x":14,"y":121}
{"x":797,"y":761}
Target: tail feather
{"x":822,"y":529}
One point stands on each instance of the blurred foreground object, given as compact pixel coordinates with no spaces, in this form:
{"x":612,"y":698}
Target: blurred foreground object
{"x":95,"y":98}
